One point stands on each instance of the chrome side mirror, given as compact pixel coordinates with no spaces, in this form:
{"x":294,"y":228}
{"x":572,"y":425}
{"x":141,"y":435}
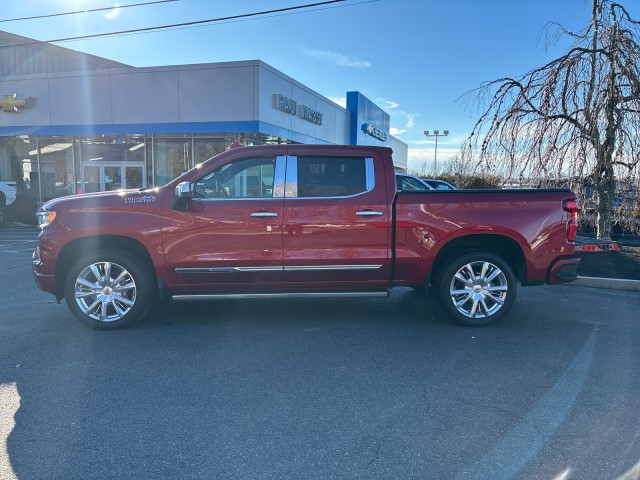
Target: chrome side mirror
{"x":184,"y":190}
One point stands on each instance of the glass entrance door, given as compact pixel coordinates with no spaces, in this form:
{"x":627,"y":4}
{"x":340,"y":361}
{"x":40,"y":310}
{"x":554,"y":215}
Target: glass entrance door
{"x":104,"y":177}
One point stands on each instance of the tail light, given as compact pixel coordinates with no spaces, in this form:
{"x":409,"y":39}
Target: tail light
{"x":571,"y":205}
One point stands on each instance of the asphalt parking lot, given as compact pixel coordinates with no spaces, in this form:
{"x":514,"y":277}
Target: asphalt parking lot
{"x":318,"y":389}
{"x":18,"y":239}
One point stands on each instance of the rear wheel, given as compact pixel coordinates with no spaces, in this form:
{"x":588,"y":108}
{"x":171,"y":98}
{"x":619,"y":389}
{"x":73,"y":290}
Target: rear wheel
{"x":477,"y":288}
{"x":108,"y":290}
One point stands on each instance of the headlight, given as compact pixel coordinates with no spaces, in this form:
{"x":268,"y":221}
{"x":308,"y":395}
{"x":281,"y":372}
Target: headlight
{"x":45,"y":217}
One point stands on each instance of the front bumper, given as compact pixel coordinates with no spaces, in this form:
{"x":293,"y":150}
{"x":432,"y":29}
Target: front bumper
{"x":563,"y":270}
{"x":44,"y":281}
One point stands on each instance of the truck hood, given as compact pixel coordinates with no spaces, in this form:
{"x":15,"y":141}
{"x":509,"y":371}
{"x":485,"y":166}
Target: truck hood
{"x":119,"y":198}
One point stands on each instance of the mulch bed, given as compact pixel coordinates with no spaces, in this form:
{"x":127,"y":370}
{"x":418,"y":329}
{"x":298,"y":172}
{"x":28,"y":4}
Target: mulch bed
{"x":624,"y":264}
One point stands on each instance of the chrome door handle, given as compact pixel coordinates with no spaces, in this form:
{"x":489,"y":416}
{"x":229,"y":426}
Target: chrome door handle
{"x":264,"y":214}
{"x":369,"y":213}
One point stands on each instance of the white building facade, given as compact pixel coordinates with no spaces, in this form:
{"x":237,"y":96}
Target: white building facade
{"x":104,"y":126}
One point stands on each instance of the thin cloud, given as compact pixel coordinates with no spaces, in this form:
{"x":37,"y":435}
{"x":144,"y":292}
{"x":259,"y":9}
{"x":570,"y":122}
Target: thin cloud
{"x":342,"y":101}
{"x":336,"y":58}
{"x":396,"y":131}
{"x":411,"y":119}
{"x":427,"y":154}
{"x":115,"y":13}
{"x":442,"y":140}
{"x":387,"y":104}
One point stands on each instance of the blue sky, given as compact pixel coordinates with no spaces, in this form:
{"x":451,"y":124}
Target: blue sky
{"x":415,"y":58}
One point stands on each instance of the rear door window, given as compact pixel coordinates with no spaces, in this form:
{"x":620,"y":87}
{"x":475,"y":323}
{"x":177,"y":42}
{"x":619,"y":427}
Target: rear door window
{"x":332,"y":176}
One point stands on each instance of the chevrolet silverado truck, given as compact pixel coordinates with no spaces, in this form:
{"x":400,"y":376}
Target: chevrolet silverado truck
{"x":300,"y":221}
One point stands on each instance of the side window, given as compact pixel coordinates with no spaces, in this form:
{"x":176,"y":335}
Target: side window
{"x":246,"y":178}
{"x":331,"y":176}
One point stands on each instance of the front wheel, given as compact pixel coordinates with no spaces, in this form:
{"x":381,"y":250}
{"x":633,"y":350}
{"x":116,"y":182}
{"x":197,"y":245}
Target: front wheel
{"x":108,"y":290}
{"x":477,"y":289}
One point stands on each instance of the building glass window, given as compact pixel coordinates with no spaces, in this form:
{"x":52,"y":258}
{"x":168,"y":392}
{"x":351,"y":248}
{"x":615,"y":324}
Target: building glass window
{"x":16,"y":165}
{"x":206,"y":147}
{"x":51,"y":158}
{"x":172,"y":157}
{"x":111,"y":163}
{"x":113,"y":149}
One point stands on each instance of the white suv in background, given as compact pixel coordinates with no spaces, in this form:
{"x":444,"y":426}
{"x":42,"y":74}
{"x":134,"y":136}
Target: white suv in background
{"x":8,"y":191}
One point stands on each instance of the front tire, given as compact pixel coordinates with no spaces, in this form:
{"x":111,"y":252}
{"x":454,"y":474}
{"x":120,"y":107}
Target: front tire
{"x":108,"y":290}
{"x":477,"y":289}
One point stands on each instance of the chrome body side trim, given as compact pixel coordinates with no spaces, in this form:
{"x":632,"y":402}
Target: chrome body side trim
{"x":313,"y":268}
{"x":228,"y":269}
{"x":264,"y":214}
{"x":371,"y":177}
{"x":293,"y":268}
{"x":280,"y":177}
{"x":291,"y":178}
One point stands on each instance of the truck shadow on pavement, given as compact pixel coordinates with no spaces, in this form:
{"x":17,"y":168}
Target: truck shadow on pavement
{"x":404,"y":305}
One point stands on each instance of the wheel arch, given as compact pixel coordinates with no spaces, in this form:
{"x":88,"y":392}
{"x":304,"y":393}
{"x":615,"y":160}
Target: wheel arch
{"x":79,"y":247}
{"x":502,"y":246}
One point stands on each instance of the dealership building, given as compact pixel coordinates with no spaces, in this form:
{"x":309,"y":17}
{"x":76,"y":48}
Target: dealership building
{"x":72,"y":122}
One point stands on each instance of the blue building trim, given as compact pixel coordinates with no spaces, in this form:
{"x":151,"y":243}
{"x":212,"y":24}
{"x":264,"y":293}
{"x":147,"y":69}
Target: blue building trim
{"x":352,"y":107}
{"x":132,"y":128}
{"x":365,"y":113}
{"x":163,"y":129}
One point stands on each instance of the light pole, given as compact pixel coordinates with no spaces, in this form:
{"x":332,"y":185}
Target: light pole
{"x":436,"y":133}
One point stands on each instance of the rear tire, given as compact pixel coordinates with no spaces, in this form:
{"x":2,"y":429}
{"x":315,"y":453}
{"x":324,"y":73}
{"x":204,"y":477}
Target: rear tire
{"x":477,"y":289}
{"x":108,"y":290}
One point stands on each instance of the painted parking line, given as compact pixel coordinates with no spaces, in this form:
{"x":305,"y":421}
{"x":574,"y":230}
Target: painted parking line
{"x":18,"y":244}
{"x":20,"y":241}
{"x":22,"y":238}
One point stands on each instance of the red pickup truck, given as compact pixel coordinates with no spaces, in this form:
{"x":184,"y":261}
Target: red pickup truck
{"x":300,"y":221}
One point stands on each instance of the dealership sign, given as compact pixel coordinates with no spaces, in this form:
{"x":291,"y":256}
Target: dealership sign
{"x":290,"y":106}
{"x":12,"y":103}
{"x":375,"y":132}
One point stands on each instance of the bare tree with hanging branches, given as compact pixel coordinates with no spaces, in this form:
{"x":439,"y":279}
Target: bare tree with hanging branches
{"x":576,"y":118}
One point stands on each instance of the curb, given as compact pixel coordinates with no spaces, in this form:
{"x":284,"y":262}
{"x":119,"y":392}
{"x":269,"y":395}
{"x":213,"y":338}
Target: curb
{"x":612,"y":283}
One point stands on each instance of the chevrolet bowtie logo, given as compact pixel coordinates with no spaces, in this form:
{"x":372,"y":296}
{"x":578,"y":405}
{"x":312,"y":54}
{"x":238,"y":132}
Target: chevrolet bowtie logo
{"x":11,"y":103}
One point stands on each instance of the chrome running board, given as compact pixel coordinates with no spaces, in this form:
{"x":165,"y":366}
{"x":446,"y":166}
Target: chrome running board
{"x":216,"y":296}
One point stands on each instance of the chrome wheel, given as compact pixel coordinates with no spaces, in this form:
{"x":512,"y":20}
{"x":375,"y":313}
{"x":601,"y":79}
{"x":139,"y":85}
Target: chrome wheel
{"x":105,"y":291}
{"x":478,"y":289}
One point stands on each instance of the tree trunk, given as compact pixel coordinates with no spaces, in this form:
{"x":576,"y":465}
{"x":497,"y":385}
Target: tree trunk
{"x":605,"y":187}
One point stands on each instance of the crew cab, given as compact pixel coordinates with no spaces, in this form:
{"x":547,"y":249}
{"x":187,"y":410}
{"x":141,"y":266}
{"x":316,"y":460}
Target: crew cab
{"x":300,"y":221}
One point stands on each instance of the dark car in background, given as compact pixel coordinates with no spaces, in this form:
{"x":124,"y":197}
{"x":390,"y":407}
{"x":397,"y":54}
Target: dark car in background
{"x":405,"y":182}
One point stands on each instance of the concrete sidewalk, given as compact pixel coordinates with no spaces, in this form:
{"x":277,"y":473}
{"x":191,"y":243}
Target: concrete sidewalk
{"x":612,"y":283}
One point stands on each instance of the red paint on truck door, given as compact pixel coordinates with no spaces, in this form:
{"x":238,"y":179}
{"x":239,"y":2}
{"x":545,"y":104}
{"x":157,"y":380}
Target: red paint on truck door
{"x":336,"y":223}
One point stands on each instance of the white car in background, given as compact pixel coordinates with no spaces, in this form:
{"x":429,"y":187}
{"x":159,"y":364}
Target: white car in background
{"x":8,"y":190}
